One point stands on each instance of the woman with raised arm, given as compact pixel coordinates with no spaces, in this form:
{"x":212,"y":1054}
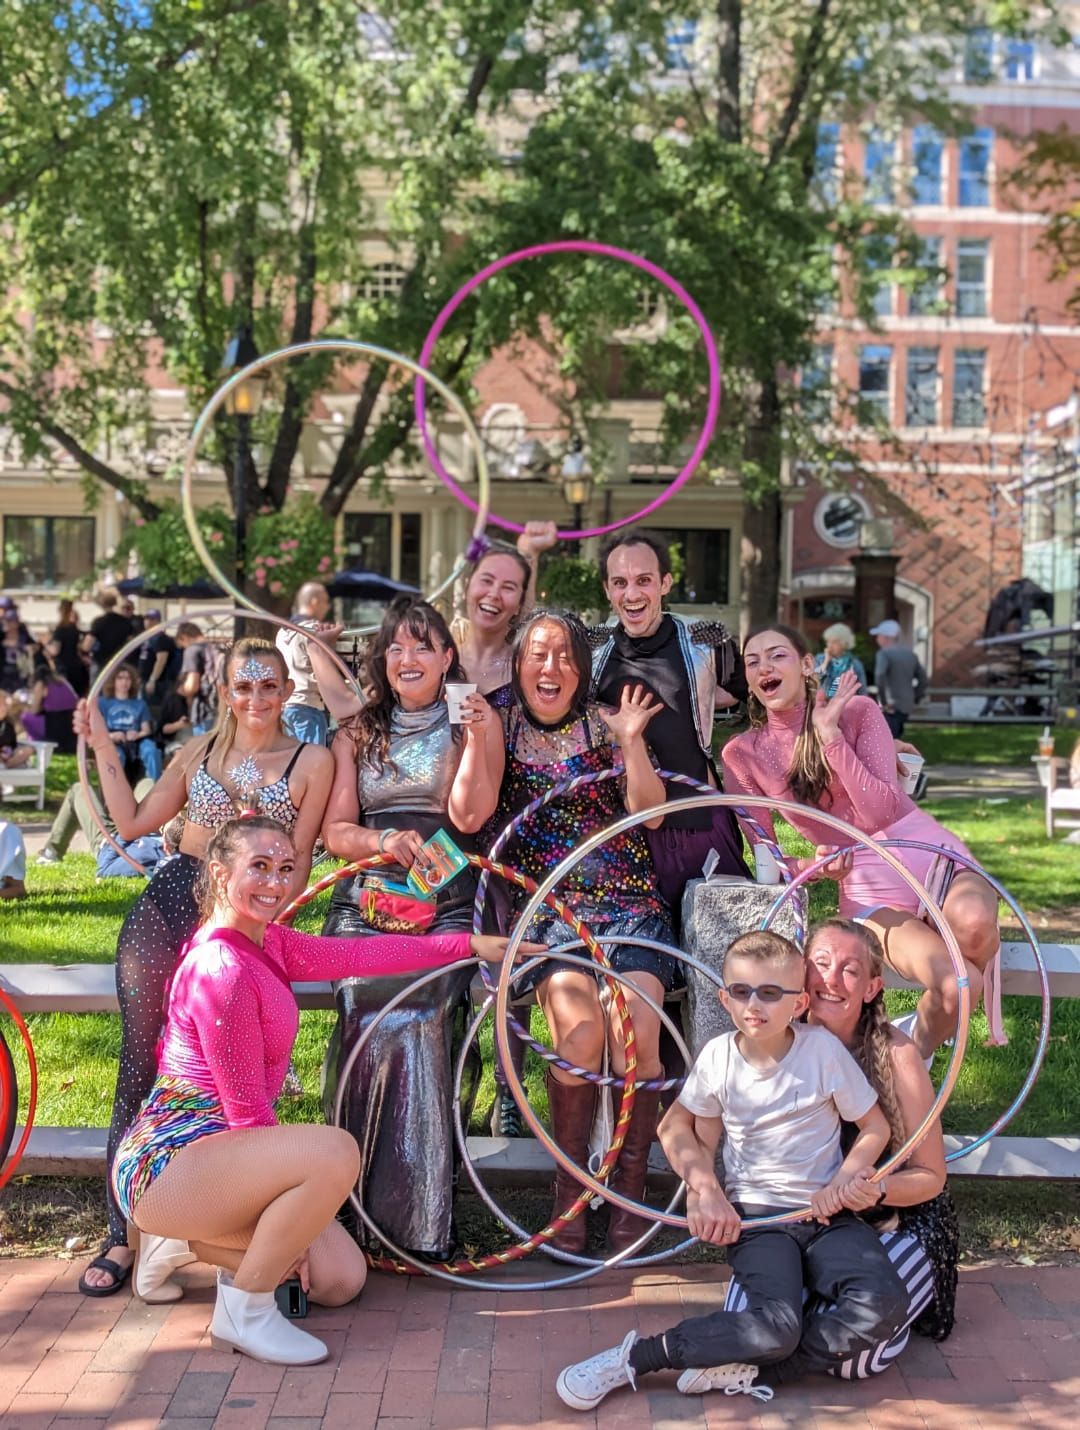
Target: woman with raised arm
{"x":402,"y":772}
{"x":838,"y":756}
{"x":554,"y":733}
{"x":247,"y":762}
{"x":205,"y":1172}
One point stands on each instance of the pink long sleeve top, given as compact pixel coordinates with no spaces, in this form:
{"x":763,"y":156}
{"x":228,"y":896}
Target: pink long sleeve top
{"x":232,"y":1019}
{"x":863,"y":789}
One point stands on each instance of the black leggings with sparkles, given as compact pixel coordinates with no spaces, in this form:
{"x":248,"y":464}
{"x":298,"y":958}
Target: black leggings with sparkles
{"x":147,"y":952}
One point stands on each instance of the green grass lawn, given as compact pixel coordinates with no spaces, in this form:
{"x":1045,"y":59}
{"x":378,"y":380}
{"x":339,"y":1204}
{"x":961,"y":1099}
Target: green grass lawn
{"x":70,"y":917}
{"x":985,"y":744}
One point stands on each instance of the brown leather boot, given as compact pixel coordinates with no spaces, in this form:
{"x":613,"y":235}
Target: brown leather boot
{"x":628,"y":1177}
{"x":573,"y":1105}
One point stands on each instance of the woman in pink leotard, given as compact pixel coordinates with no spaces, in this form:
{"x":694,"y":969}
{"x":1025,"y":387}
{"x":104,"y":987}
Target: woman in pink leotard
{"x":839,"y":756}
{"x":205,"y":1159}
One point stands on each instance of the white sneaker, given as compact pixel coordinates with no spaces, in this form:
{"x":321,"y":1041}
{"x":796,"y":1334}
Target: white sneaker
{"x":906,"y":1024}
{"x":733,"y":1379}
{"x":584,"y":1385}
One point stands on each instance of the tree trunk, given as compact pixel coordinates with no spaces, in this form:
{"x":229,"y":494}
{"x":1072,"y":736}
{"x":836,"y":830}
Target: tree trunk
{"x":760,"y":553}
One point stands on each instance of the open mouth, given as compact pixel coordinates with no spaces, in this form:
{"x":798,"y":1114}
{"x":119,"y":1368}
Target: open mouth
{"x":488,"y":609}
{"x":770,"y":685}
{"x":548,"y":690}
{"x":638,"y":608}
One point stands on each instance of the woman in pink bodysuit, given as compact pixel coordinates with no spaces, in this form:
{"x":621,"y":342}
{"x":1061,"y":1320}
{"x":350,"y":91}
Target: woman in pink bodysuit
{"x":839,"y":756}
{"x":205,"y":1159}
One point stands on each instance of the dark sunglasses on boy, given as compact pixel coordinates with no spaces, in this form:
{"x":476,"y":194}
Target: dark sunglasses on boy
{"x":766,"y":992}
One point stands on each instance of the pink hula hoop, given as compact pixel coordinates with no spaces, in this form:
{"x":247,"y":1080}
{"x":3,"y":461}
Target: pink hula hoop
{"x":575,"y":245}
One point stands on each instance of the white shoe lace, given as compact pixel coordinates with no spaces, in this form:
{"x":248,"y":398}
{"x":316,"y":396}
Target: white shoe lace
{"x":744,"y":1385}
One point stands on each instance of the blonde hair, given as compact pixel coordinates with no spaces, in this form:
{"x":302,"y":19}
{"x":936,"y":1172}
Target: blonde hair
{"x":810,"y":772}
{"x":871,"y":1048}
{"x":839,"y":632}
{"x":764,"y":946}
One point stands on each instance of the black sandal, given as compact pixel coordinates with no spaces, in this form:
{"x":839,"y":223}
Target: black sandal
{"x":104,"y":1263}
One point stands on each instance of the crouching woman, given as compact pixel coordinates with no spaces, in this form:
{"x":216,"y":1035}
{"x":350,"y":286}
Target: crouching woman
{"x":205,"y":1162}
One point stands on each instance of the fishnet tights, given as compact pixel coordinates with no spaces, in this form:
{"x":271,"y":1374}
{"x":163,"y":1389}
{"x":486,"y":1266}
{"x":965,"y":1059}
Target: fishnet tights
{"x":255,"y":1199}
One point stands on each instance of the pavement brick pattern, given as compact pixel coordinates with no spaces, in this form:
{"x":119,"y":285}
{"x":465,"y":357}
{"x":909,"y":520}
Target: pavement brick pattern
{"x":419,"y":1355}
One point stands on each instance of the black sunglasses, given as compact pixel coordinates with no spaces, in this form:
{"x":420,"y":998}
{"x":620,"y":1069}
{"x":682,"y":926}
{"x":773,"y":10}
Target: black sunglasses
{"x":767,"y":992}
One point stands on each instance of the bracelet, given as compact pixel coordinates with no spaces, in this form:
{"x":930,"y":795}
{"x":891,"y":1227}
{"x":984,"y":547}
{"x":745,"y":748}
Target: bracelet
{"x":881,"y":1184}
{"x":384,"y":836}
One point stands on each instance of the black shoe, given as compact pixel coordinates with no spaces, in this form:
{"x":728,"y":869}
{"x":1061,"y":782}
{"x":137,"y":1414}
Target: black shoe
{"x":506,"y":1118}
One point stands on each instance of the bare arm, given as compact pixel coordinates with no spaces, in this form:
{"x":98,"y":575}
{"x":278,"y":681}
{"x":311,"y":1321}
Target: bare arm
{"x":317,"y":767}
{"x":871,"y":1141}
{"x":690,"y":1144}
{"x":343,"y":834}
{"x":475,"y":791}
{"x":922,"y":1176}
{"x":160,"y":662}
{"x":341,"y":701}
{"x":644,"y":787}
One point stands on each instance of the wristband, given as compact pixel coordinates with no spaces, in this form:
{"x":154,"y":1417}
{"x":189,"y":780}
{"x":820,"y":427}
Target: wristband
{"x":384,"y":836}
{"x":881,"y":1185}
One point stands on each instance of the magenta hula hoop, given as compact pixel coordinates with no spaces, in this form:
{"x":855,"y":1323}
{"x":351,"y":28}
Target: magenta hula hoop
{"x":606,"y":250}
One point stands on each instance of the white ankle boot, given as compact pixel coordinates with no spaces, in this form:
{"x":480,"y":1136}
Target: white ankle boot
{"x":250,"y":1322}
{"x":156,"y":1258}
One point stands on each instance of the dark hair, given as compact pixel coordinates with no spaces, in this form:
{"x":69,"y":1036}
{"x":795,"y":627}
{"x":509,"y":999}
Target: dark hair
{"x":810,"y":773}
{"x":190,"y":630}
{"x":636,"y":536}
{"x":580,"y":653}
{"x":222,"y":849}
{"x":503,"y":548}
{"x":370,"y":729}
{"x":764,"y":946}
{"x":109,"y":691}
{"x":873,"y":1034}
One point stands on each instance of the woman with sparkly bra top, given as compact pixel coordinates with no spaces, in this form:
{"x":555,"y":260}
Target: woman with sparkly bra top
{"x":247,"y":763}
{"x":401,"y":773}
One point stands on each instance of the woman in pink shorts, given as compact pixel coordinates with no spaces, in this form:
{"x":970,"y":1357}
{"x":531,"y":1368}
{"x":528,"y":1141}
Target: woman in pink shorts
{"x":839,"y":757}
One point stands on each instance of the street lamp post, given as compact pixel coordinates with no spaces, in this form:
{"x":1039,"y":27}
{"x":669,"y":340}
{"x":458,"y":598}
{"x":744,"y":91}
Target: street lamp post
{"x":577,"y":482}
{"x":242,"y":403}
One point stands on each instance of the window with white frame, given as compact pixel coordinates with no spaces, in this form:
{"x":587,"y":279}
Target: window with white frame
{"x":974,"y":177}
{"x":925,"y":297}
{"x":972,"y":255}
{"x":384,"y":280}
{"x":878,"y":168}
{"x":826,"y":162}
{"x":1018,"y":63}
{"x":922,"y":389}
{"x":875,"y":371}
{"x":679,"y":36}
{"x":978,"y":54}
{"x":927,"y":157}
{"x":815,"y":384}
{"x":880,"y":252}
{"x":969,"y":387}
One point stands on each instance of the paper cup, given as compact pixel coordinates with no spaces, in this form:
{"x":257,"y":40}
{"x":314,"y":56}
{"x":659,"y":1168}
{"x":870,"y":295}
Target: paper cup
{"x":766,"y":869}
{"x":456,"y":692}
{"x":913,"y":768}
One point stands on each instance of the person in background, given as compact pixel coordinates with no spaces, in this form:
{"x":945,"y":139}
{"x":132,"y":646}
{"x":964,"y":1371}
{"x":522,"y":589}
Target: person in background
{"x":127,"y":719}
{"x":70,"y":661}
{"x":16,"y":653}
{"x":77,"y":813}
{"x":12,"y":862}
{"x":129,"y":613}
{"x":305,"y":716}
{"x":174,"y":724}
{"x":159,"y":663}
{"x":200,"y":667}
{"x":837,"y":657}
{"x":51,"y":695}
{"x":12,"y":754}
{"x":898,"y":675}
{"x":108,"y":632}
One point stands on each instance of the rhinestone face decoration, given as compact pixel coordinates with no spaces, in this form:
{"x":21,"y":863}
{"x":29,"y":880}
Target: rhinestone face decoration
{"x":246,"y":776}
{"x":253,"y":669}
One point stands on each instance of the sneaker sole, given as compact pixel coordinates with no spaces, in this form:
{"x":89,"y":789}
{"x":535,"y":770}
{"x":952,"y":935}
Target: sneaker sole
{"x":575,"y":1402}
{"x":691,"y":1383}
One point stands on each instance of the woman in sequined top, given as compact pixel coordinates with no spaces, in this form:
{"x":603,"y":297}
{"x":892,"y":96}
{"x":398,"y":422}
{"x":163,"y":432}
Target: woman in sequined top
{"x":247,"y":761}
{"x":838,"y":755}
{"x":401,"y":773}
{"x":205,"y":1170}
{"x":553,"y":734}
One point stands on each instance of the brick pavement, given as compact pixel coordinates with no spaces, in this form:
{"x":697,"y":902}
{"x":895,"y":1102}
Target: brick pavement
{"x":419,"y":1355}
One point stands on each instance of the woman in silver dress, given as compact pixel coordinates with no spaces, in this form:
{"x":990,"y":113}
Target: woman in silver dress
{"x":403,"y":772}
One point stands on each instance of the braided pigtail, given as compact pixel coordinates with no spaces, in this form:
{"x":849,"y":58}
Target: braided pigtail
{"x":871,"y":1052}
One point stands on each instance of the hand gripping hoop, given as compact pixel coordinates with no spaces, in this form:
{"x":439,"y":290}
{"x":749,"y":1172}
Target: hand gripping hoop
{"x":477,"y":544}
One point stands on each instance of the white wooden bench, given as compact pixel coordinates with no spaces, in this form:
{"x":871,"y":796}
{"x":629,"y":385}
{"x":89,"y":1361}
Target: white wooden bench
{"x":30,"y":776}
{"x":1062,"y":801}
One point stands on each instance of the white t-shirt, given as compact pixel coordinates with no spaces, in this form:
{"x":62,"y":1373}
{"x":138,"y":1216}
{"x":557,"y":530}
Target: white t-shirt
{"x":781,"y":1124}
{"x":294,"y":649}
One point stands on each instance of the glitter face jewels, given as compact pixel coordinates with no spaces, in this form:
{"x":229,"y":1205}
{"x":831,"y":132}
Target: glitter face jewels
{"x":246,"y":776}
{"x":254,"y":670}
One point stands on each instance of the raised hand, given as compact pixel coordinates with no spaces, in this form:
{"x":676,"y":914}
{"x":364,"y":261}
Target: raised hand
{"x":477,"y":715}
{"x":827,"y":713}
{"x":88,"y":720}
{"x":538,"y":536}
{"x":636,"y":708}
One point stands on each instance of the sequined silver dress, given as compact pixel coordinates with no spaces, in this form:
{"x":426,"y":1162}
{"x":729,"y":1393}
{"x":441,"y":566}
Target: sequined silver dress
{"x":400,"y":1088}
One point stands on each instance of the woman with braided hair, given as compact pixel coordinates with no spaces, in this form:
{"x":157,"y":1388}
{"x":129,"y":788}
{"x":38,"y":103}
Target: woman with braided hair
{"x":838,"y":756}
{"x":911,"y":1207}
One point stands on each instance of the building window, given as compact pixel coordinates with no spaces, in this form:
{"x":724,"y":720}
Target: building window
{"x":923,"y":386}
{"x":679,"y":37}
{"x":979,"y":55}
{"x":880,"y":251}
{"x":1019,"y":60}
{"x":875,"y":367}
{"x":878,"y":169}
{"x":410,"y":547}
{"x":47,"y":550}
{"x":971,"y":264}
{"x":815,"y":384}
{"x":706,"y":566}
{"x":969,"y":396}
{"x":826,"y":162}
{"x":384,"y":280}
{"x":369,"y":541}
{"x":925,"y":297}
{"x":974,"y":190}
{"x":927,"y":152}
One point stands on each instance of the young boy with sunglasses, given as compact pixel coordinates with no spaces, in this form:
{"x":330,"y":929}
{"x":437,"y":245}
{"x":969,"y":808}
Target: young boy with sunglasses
{"x":777,"y":1090}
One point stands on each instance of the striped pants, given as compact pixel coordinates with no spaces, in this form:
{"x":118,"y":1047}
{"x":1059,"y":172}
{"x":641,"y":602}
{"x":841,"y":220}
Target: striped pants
{"x":913,"y":1267}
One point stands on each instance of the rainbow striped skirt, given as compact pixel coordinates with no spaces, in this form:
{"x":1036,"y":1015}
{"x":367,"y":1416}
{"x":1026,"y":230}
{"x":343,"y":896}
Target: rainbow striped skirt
{"x":174,"y":1115}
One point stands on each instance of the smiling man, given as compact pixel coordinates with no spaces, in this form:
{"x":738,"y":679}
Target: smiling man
{"x":693,"y":668}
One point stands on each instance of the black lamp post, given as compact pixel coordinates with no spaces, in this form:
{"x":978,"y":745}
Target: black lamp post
{"x":577,"y":482}
{"x":242,"y":403}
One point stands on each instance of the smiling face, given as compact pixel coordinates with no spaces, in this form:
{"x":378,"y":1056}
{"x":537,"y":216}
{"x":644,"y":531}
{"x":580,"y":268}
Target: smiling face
{"x":415,"y":667}
{"x":839,"y":980}
{"x":775,"y":671}
{"x":547,"y":672}
{"x":636,"y":589}
{"x":256,"y":689}
{"x":253,"y":887}
{"x":495,"y":594}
